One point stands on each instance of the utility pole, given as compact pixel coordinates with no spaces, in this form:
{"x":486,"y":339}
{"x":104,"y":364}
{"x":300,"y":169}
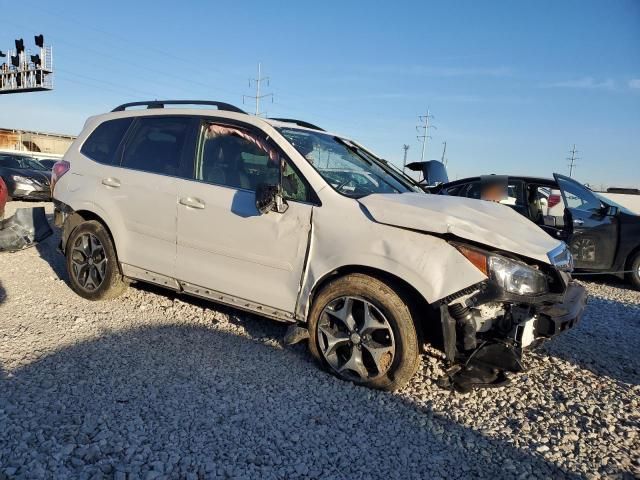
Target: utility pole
{"x":405,"y":147}
{"x":444,"y":151}
{"x":424,"y":129}
{"x":258,"y":82}
{"x":572,"y":159}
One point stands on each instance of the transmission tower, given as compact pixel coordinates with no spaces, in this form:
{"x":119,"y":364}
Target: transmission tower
{"x":572,"y":159}
{"x":258,"y":83}
{"x":404,"y":161}
{"x":425,"y":125}
{"x":444,"y":152}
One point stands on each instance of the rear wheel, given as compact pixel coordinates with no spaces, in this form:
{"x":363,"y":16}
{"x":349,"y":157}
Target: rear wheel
{"x":634,"y":271}
{"x":92,"y":263}
{"x":363,"y":331}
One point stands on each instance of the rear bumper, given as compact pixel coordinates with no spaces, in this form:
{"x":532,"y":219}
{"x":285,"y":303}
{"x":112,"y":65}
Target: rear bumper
{"x":559,"y":317}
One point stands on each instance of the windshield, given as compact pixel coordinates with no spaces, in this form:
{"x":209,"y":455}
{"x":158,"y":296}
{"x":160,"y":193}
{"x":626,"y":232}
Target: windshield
{"x":342,"y":165}
{"x":34,"y":164}
{"x":16,"y":161}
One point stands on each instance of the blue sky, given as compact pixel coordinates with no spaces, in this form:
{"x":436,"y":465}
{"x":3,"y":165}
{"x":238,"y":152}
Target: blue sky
{"x":511,"y":84}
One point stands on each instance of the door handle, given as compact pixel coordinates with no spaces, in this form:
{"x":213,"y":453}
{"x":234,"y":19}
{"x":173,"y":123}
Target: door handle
{"x":111,"y":182}
{"x":191,"y":202}
{"x":578,"y":222}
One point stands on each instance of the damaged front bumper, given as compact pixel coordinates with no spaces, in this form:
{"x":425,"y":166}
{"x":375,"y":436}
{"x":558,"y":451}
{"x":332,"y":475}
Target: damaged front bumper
{"x":486,"y":331}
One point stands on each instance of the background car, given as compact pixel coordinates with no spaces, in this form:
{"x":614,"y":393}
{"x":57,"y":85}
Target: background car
{"x":25,"y":177}
{"x":603,"y":235}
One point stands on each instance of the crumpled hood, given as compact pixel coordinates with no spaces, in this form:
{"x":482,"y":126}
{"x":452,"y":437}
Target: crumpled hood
{"x":479,"y":221}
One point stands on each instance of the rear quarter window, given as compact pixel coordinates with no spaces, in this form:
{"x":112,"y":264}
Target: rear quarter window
{"x":103,"y":143}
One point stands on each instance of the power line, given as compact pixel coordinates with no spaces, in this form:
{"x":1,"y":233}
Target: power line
{"x":425,"y":131}
{"x":405,"y":147}
{"x":572,"y":159}
{"x":258,"y":82}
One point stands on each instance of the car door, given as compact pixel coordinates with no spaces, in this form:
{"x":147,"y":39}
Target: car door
{"x":225,"y":246}
{"x":144,"y":191}
{"x":593,"y":233}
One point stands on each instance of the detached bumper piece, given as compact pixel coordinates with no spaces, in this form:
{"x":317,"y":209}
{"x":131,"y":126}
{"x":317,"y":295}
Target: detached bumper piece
{"x":555,"y":319}
{"x":24,"y":229}
{"x":483,"y":360}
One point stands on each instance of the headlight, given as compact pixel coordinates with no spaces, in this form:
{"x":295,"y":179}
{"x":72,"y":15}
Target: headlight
{"x":21,"y":179}
{"x":511,"y":275}
{"x":516,"y":277}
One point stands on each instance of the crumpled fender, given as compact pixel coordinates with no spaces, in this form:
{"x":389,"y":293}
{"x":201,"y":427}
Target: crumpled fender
{"x":24,"y":229}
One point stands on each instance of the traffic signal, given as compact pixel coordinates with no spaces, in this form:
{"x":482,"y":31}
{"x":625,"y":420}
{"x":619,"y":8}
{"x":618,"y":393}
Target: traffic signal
{"x":2,"y":54}
{"x":35,"y":59}
{"x":19,"y":45}
{"x":39,"y":40}
{"x":15,"y":60}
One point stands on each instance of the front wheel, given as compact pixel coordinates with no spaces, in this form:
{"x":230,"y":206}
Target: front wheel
{"x":634,"y":271}
{"x":92,"y":263}
{"x":363,"y":331}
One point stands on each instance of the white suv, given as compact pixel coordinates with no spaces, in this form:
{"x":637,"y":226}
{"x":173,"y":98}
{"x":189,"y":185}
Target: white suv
{"x":288,"y":221}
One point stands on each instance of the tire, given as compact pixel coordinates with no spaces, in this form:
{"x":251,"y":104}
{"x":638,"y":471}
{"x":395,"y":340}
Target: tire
{"x":633,"y":277}
{"x":390,"y":335}
{"x":92,"y":263}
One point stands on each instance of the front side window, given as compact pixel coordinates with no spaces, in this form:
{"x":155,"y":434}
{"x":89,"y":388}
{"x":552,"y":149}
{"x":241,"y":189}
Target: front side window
{"x":103,"y":143}
{"x":578,"y":196}
{"x":234,"y":157}
{"x":342,"y":165}
{"x":156,"y":144}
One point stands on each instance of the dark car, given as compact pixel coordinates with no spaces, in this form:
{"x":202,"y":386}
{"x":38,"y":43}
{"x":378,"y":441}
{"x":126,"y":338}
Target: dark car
{"x":603,"y":235}
{"x":47,"y":162}
{"x":25,"y":177}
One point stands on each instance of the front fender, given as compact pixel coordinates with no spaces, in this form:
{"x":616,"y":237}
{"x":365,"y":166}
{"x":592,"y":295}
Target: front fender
{"x":427,"y":263}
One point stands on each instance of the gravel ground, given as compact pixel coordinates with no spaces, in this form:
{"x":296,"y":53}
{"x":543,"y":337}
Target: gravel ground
{"x":153,"y":385}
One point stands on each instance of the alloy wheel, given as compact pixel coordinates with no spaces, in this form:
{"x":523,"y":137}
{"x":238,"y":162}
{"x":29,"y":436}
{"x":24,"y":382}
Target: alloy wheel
{"x":88,"y":261}
{"x":356,"y":339}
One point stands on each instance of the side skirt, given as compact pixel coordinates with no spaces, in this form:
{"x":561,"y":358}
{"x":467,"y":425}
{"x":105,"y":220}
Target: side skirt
{"x":141,"y":274}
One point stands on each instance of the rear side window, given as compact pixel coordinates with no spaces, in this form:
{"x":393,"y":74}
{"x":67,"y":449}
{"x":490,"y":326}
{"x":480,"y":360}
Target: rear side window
{"x":103,"y":143}
{"x":156,"y":144}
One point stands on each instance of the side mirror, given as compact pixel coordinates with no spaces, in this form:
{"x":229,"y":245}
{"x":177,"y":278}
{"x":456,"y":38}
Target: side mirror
{"x":611,"y":210}
{"x":269,"y":199}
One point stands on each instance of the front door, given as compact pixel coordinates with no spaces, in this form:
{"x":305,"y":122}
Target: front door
{"x":224,"y":244}
{"x":593,"y":233}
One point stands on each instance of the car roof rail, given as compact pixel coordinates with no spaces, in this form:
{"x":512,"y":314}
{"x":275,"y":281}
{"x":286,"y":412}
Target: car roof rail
{"x":227,"y":107}
{"x":300,"y":123}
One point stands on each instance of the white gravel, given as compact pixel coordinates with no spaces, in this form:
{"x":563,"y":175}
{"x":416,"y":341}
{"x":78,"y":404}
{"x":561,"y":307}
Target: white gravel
{"x":157,"y":386}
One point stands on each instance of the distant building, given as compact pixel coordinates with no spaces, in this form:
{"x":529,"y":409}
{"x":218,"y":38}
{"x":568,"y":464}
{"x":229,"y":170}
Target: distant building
{"x":34,"y":142}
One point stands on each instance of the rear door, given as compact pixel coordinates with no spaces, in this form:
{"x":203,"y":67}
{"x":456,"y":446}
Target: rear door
{"x":144,"y":189}
{"x":593,"y":234}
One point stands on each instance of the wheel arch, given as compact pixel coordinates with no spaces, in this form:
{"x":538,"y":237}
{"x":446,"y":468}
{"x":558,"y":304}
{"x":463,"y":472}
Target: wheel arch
{"x":78,"y":217}
{"x":422,"y":311}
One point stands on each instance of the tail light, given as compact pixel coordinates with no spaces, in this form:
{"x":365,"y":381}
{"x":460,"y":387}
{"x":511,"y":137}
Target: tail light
{"x":554,"y":199}
{"x":59,"y":169}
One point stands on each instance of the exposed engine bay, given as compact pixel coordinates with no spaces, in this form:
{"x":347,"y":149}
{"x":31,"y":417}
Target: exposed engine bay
{"x":485,"y":331}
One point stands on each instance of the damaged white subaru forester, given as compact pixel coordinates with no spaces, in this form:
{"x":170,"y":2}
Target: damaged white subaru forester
{"x":280,"y":218}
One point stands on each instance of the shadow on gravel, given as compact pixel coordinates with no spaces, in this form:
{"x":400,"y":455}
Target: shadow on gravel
{"x":48,"y":251}
{"x":605,"y":342}
{"x":3,"y":294}
{"x":179,"y":399}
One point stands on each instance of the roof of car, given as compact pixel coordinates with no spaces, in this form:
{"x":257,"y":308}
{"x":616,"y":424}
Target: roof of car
{"x":205,"y":107}
{"x":526,"y":178}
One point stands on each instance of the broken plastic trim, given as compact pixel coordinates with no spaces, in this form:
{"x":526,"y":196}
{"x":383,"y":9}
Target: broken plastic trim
{"x":24,"y":229}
